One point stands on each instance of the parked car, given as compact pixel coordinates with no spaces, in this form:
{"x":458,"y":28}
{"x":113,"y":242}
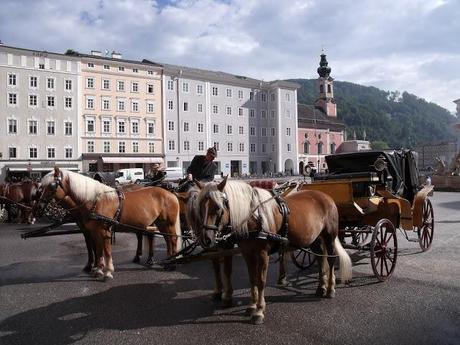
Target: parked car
{"x":131,"y":175}
{"x":174,"y":173}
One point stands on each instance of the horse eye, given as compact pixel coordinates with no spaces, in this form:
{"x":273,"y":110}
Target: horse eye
{"x":53,"y":186}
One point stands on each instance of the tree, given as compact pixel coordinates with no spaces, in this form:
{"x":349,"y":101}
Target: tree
{"x":379,"y":145}
{"x":71,"y":52}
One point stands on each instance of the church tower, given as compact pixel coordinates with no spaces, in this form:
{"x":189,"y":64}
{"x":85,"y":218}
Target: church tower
{"x":325,"y":85}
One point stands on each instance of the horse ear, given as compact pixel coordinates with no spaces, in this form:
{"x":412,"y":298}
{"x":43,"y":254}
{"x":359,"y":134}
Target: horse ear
{"x":56,"y":171}
{"x":221,"y":185}
{"x":199,"y":184}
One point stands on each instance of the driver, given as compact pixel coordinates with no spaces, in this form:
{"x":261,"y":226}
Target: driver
{"x":203,"y":168}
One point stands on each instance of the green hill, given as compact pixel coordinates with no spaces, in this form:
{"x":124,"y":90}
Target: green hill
{"x":397,"y":120}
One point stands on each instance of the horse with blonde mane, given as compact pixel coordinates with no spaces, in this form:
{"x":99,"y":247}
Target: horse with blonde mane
{"x":234,"y":207}
{"x":139,"y":208}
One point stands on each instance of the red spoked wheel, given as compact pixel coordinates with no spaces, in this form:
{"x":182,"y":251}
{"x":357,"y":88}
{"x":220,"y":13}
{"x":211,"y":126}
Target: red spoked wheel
{"x":384,"y":249}
{"x":426,"y":231}
{"x":302,"y":258}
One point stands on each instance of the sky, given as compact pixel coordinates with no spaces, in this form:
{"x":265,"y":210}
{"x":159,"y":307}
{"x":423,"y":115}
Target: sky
{"x":404,"y":45}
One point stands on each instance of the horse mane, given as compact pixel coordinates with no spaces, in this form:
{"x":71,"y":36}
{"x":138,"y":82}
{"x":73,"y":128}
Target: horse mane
{"x":193,"y":210}
{"x":83,"y":187}
{"x":244,"y":202}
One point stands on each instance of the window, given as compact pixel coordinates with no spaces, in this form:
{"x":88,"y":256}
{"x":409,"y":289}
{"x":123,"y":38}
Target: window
{"x":120,"y":85}
{"x":272,"y":97}
{"x":252,"y":131}
{"x":135,"y":87}
{"x":106,"y":126}
{"x":288,"y":113}
{"x":263,"y":131}
{"x":68,"y":152}
{"x":240,"y":111}
{"x":185,"y":106}
{"x":241,"y":147}
{"x":215,"y":128}
{"x":253,"y":148}
{"x":50,"y":128}
{"x":273,"y":131}
{"x":150,"y":72}
{"x":329,"y":88}
{"x":215,"y":91}
{"x":90,"y":65}
{"x":68,"y":102}
{"x":135,"y":127}
{"x":288,"y":132}
{"x":89,"y":103}
{"x":200,"y":145}
{"x":33,"y":127}
{"x":105,"y":84}
{"x":186,"y":127}
{"x":121,"y":147}
{"x":105,"y":104}
{"x":186,"y":145}
{"x":50,"y":101}
{"x":288,"y":96}
{"x":106,"y":146}
{"x":135,"y":147}
{"x":199,"y":107}
{"x":306,"y":147}
{"x":273,"y":114}
{"x":273,"y":147}
{"x":171,"y":125}
{"x":240,"y":94}
{"x":135,"y":70}
{"x":229,"y":129}
{"x":41,"y":66}
{"x":215,"y":109}
{"x":106,"y":67}
{"x":185,"y":87}
{"x":121,"y":126}
{"x":90,"y":126}
{"x":171,"y":145}
{"x":121,"y":68}
{"x":263,"y":97}
{"x":240,"y":130}
{"x":229,"y":111}
{"x":332,"y":148}
{"x":12,"y":79}
{"x":170,"y":105}
{"x":90,"y":83}
{"x":263,"y":114}
{"x":200,"y":128}
{"x":68,"y":85}
{"x":264,"y":148}
{"x":135,"y":106}
{"x":50,"y":83}
{"x":33,"y":152}
{"x":171,"y":85}
{"x":90,"y":146}
{"x":151,"y":147}
{"x":199,"y":89}
{"x":12,"y":126}
{"x":121,"y":105}
{"x":68,"y":128}
{"x":216,"y":145}
{"x":230,"y":147}
{"x":33,"y":82}
{"x":320,"y":148}
{"x":12,"y":99}
{"x":288,"y":147}
{"x":252,"y":113}
{"x":150,"y":88}
{"x":33,"y":100}
{"x":151,"y":128}
{"x":251,"y":95}
{"x":12,"y":152}
{"x":229,"y":92}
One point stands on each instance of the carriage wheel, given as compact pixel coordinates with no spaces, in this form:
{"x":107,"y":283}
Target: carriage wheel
{"x":426,"y":231}
{"x":302,"y":258}
{"x":384,"y":249}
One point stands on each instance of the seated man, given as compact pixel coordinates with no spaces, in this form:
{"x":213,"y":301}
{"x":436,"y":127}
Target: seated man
{"x":155,"y":175}
{"x":203,"y":168}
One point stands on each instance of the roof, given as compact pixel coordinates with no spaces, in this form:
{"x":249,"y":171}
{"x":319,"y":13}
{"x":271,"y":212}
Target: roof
{"x":310,"y":116}
{"x":70,"y":57}
{"x":107,"y":58}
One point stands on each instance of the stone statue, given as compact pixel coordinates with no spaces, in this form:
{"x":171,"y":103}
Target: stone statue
{"x":440,"y":168}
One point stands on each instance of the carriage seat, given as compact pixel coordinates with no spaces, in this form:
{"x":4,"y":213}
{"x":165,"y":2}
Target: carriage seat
{"x":264,"y":184}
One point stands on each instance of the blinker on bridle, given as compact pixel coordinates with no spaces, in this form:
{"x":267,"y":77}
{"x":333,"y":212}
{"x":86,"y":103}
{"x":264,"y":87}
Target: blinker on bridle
{"x":216,"y":225}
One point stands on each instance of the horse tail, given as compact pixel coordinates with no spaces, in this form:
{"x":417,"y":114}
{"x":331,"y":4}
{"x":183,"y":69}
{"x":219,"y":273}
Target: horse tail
{"x":178,"y":233}
{"x":345,"y":261}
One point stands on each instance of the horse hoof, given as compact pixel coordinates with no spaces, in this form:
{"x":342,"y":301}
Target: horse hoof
{"x":227,"y":303}
{"x":108,"y":276}
{"x":149,"y":262}
{"x":136,"y":259}
{"x":98,"y":273}
{"x":216,"y":296}
{"x":330,"y":294}
{"x":249,"y":311}
{"x":88,"y":268}
{"x":320,"y":292}
{"x":257,"y":319}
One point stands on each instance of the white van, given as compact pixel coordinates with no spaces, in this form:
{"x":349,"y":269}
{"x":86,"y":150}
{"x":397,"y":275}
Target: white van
{"x":131,"y":175}
{"x":174,"y":173}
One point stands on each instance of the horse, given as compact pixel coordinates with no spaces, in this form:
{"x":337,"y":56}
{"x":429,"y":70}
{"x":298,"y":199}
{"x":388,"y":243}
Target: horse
{"x":86,"y":198}
{"x":23,"y":194}
{"x":235,"y":208}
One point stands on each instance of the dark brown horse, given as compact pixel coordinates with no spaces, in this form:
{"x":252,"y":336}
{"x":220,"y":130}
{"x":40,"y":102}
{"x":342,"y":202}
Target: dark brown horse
{"x":143,"y":207}
{"x":238,"y":208}
{"x":23,"y":194}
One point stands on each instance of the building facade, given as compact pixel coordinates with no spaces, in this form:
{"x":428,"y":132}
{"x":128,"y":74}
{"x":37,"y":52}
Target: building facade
{"x":320,"y":131}
{"x":252,"y":124}
{"x":120,"y":118}
{"x":38,"y":111}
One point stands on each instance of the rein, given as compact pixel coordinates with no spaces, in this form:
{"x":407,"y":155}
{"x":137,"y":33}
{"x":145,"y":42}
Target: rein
{"x":15,"y":202}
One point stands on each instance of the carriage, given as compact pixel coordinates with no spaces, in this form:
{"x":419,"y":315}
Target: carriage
{"x":376,"y":193}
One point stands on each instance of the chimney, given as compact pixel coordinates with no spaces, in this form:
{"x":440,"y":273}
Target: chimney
{"x":96,"y":53}
{"x":116,"y":55}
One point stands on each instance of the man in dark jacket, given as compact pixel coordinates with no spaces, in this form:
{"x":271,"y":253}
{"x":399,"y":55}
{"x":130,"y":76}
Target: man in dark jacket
{"x":203,"y":168}
{"x":155,"y":175}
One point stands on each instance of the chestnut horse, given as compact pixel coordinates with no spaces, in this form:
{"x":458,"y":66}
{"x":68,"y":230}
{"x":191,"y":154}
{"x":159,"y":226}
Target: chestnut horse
{"x":142,"y":207}
{"x":237,"y":207}
{"x":23,"y":194}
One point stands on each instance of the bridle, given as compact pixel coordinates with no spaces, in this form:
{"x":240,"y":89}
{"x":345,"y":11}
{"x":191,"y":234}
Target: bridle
{"x":217,"y":226}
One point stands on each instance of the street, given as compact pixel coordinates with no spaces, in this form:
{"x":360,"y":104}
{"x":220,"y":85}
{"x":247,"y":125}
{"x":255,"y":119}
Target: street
{"x":45,"y":298}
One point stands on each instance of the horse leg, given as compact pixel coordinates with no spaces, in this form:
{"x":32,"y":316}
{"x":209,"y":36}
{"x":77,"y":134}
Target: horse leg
{"x":228,"y":288}
{"x":217,"y":293}
{"x":331,"y":261}
{"x":137,"y":259}
{"x":151,"y":242}
{"x":283,"y":268}
{"x":98,"y":269}
{"x":251,"y":263}
{"x":108,"y":255}
{"x":321,"y":291}
{"x":262,"y":269}
{"x":90,"y":248}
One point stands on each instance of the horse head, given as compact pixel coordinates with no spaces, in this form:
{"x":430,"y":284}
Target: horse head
{"x":50,"y":187}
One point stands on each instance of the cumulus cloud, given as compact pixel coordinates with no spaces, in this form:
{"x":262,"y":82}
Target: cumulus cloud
{"x":395,"y":45}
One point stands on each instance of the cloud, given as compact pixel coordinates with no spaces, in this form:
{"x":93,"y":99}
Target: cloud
{"x":405,"y":45}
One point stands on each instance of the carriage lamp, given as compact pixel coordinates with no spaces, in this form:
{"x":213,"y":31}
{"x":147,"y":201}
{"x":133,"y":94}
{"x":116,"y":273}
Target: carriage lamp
{"x":380,"y":164}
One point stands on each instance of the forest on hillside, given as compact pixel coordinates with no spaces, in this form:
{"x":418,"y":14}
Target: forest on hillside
{"x":387,"y":119}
